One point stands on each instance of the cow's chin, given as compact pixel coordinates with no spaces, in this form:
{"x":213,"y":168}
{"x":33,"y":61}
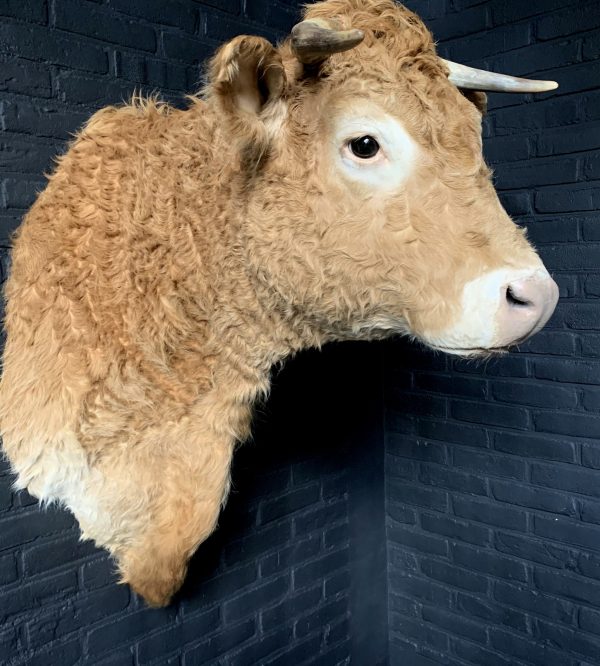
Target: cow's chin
{"x":471,"y":352}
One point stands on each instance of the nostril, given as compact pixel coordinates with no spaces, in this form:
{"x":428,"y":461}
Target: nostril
{"x":514,"y":300}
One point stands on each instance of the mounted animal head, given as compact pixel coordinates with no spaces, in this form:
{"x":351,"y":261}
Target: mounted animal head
{"x":368,"y":207}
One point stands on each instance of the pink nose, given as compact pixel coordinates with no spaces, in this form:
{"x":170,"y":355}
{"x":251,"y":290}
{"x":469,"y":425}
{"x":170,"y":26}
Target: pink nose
{"x":527,"y":305}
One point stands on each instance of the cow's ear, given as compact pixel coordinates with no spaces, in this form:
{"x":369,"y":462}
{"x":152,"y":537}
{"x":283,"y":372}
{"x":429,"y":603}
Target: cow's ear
{"x":478,"y":98}
{"x":245,"y":77}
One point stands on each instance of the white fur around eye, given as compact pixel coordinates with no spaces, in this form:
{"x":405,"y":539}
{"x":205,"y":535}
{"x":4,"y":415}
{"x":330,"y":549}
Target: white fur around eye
{"x":395,"y":160}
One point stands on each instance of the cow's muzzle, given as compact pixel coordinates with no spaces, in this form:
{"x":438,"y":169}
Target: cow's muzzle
{"x":527,"y":305}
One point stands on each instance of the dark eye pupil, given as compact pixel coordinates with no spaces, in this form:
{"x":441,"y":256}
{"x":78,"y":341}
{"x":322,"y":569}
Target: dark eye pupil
{"x":364,"y":147}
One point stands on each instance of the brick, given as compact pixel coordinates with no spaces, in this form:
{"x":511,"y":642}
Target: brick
{"x":475,"y":654}
{"x":21,"y":193}
{"x":201,"y":593}
{"x":337,"y":584}
{"x":421,"y":588}
{"x":574,"y":425}
{"x":486,"y":43}
{"x":223,"y":642}
{"x":587,"y":564}
{"x":21,"y":528}
{"x":401,"y":513}
{"x":290,"y":555}
{"x":527,"y":650}
{"x":18,"y":75}
{"x":301,"y":651}
{"x":417,"y":630}
{"x":572,"y":479}
{"x":451,"y":479}
{"x":557,"y":24}
{"x":491,"y":414}
{"x":28,"y":41}
{"x":402,"y":559}
{"x":291,"y":607}
{"x":65,"y":655}
{"x":414,"y":495}
{"x":84,"y":20}
{"x":578,"y":372}
{"x":8,"y":644}
{"x":37,"y":594}
{"x":99,"y":573}
{"x":258,"y":652}
{"x":190,"y":50}
{"x":425,"y":543}
{"x":77,"y":614}
{"x":590,"y":455}
{"x":457,"y":433}
{"x":489,"y":513}
{"x":257,"y":543}
{"x":535,"y":446}
{"x":415,"y":449}
{"x":177,"y":14}
{"x":502,"y":149}
{"x":288,"y":503}
{"x":571,"y":533}
{"x":336,"y":537}
{"x":534,"y":498}
{"x":53,"y":554}
{"x":78,"y":89}
{"x":455,"y":624}
{"x":536,"y":395}
{"x":490,"y":611}
{"x":318,"y":518}
{"x":467,"y":386}
{"x":569,"y":140}
{"x":171,"y":639}
{"x":8,"y":569}
{"x":454,"y":576}
{"x":460,"y":24}
{"x":516,"y":203}
{"x":534,"y":550}
{"x":223,"y":28}
{"x":589,"y":620}
{"x":532,"y":601}
{"x":536,"y":172}
{"x":258,"y":597}
{"x":547,"y":342}
{"x":26,"y":155}
{"x":320,"y":617}
{"x":569,"y":640}
{"x":455,"y":529}
{"x":33,"y":11}
{"x":108,"y":636}
{"x":306,"y":574}
{"x":419,"y":404}
{"x":486,"y":463}
{"x":488,"y":561}
{"x":566,"y":199}
{"x":41,"y":119}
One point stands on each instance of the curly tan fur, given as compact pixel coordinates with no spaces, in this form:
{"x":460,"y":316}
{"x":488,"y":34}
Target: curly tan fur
{"x":175,"y":256}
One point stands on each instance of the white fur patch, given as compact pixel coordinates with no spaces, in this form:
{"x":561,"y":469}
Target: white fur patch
{"x":61,"y":473}
{"x":398,"y":150}
{"x":476,"y":327}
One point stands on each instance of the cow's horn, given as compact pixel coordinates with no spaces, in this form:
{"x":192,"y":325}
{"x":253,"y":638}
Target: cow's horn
{"x":314,"y":40}
{"x":478,"y":79}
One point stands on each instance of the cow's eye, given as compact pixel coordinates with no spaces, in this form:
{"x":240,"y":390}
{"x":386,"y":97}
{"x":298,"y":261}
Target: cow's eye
{"x":364,"y":147}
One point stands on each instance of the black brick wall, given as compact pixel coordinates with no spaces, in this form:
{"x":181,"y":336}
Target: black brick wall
{"x":296,"y":572}
{"x":493,"y":470}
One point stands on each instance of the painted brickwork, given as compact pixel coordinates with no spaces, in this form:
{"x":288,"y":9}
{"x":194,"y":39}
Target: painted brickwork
{"x":493,"y":470}
{"x":272,"y":586}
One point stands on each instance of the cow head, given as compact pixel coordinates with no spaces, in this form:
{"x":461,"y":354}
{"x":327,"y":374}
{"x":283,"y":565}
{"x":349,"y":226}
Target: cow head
{"x":368,"y":207}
